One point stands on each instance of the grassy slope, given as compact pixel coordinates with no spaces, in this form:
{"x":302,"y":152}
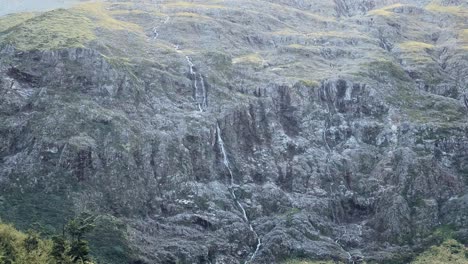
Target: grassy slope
{"x":61,"y":28}
{"x":95,"y":23}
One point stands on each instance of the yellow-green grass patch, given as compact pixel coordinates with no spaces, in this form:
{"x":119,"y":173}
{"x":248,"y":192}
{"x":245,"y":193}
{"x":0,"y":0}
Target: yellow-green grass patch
{"x":253,"y":58}
{"x":12,"y":20}
{"x":385,"y":11}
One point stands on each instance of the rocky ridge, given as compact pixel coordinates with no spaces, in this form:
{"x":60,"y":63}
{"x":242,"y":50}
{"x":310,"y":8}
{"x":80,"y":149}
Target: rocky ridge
{"x":239,"y":131}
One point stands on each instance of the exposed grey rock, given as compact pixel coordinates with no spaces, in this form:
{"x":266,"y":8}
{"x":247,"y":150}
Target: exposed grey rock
{"x":341,"y":144}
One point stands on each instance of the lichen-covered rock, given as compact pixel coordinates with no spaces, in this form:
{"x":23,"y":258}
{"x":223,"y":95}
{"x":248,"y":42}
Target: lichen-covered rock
{"x":328,"y":129}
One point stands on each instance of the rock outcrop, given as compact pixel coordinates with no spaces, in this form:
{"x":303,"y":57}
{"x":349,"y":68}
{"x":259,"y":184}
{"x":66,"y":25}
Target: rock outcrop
{"x":343,"y":123}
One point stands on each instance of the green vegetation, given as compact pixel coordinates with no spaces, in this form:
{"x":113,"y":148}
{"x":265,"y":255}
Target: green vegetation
{"x":446,"y":251}
{"x":380,"y":69}
{"x":180,"y":4}
{"x":418,"y":107}
{"x":415,"y":45}
{"x":253,"y":58}
{"x":61,"y":28}
{"x":45,"y":213}
{"x":42,"y":212}
{"x":29,"y":248}
{"x":417,"y":53}
{"x":452,"y":10}
{"x":443,"y":233}
{"x":290,"y":215}
{"x":10,"y":21}
{"x":20,"y":248}
{"x":51,"y":30}
{"x":430,"y":108}
{"x":192,"y":15}
{"x":449,"y":251}
{"x":464,"y":38}
{"x":102,"y":17}
{"x":309,"y":83}
{"x":385,"y":11}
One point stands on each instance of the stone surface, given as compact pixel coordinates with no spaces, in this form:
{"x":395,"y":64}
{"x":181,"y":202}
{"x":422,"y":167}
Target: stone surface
{"x":343,"y":123}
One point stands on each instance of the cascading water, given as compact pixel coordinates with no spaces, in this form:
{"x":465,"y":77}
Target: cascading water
{"x":199,"y":93}
{"x":234,"y":197}
{"x":204,"y":94}
{"x":201,"y":98}
{"x":155,"y":29}
{"x":155,"y":33}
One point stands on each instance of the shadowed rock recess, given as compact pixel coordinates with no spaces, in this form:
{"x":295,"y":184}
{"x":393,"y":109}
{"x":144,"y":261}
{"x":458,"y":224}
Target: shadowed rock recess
{"x":239,"y":131}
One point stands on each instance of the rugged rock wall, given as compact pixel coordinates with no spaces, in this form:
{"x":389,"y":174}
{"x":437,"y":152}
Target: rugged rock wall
{"x":366,"y":160}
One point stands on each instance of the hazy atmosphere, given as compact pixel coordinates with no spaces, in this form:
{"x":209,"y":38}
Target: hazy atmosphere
{"x":16,"y":6}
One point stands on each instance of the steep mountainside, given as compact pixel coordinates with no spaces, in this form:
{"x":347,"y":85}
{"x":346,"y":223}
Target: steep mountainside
{"x":239,"y":131}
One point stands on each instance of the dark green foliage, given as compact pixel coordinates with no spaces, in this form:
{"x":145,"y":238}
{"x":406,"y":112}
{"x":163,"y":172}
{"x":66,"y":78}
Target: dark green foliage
{"x":79,"y":251}
{"x":290,"y":216}
{"x":81,"y":225}
{"x":108,"y":242}
{"x":70,"y":246}
{"x":8,"y":252}
{"x":32,"y":241}
{"x":443,"y":233}
{"x":34,"y":209}
{"x":59,"y":249}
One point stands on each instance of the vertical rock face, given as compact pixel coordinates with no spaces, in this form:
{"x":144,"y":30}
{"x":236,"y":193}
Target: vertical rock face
{"x":342,"y":122}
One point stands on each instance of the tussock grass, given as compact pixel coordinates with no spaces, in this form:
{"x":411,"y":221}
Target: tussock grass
{"x":62,"y":28}
{"x":463,"y":36}
{"x":253,"y":58}
{"x":182,"y":4}
{"x":416,"y":52}
{"x":10,"y":21}
{"x":126,"y":12}
{"x":415,"y":46}
{"x":102,"y":17}
{"x":385,"y":11}
{"x":51,"y":30}
{"x":434,"y":6}
{"x":338,"y":34}
{"x":192,"y":15}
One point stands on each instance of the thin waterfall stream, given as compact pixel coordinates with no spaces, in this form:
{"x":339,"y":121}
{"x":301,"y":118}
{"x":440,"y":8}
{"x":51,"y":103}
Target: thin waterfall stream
{"x":199,"y":93}
{"x":234,"y":197}
{"x":200,"y":96}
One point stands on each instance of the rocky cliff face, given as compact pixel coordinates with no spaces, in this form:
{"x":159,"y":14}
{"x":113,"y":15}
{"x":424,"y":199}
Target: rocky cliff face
{"x":239,"y":131}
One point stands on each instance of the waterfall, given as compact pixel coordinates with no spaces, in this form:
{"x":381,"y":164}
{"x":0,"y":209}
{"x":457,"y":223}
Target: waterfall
{"x":155,"y":33}
{"x":204,"y":94}
{"x":155,"y":29}
{"x":190,"y":63}
{"x":199,"y":93}
{"x":223,"y":151}
{"x":233,"y":194}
